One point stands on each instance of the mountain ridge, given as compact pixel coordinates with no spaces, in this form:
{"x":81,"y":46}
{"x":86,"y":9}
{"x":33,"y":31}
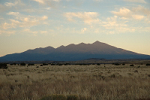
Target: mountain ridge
{"x":73,"y":52}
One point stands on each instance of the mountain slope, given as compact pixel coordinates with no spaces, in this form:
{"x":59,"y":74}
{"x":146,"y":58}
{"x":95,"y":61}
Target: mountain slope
{"x":74,"y":52}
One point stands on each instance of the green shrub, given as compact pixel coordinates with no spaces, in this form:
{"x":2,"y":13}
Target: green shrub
{"x":54,"y":97}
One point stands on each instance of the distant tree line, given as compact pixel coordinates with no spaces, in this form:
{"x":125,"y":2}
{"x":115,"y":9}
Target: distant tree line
{"x":4,"y":65}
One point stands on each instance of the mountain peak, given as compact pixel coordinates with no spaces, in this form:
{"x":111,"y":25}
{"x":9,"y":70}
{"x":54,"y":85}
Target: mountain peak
{"x":73,"y":52}
{"x":96,"y":42}
{"x":81,"y":44}
{"x":62,"y":46}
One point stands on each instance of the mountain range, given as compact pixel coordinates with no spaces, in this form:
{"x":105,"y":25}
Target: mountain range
{"x":72,"y":52}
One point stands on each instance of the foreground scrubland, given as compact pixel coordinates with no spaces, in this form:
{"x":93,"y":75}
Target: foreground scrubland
{"x":75,"y":82}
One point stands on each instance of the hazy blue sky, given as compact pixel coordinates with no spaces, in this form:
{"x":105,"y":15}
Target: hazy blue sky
{"x":29,"y":24}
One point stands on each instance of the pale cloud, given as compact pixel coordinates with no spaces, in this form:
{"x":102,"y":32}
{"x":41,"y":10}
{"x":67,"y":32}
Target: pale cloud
{"x":114,"y":26}
{"x":6,"y":26}
{"x":29,"y":10}
{"x":141,"y":10}
{"x":40,"y":1}
{"x":23,"y":21}
{"x":3,"y":8}
{"x":30,"y":31}
{"x":87,"y":17}
{"x":46,"y":1}
{"x":48,"y":8}
{"x":14,"y":4}
{"x":26,"y":30}
{"x":49,"y":3}
{"x":26,"y":19}
{"x":44,"y":17}
{"x":57,"y":0}
{"x":10,"y":4}
{"x":125,"y":13}
{"x":14,"y":21}
{"x":83,"y":30}
{"x":98,"y":0}
{"x":68,"y":0}
{"x":138,"y":17}
{"x":146,"y":29}
{"x":7,"y":32}
{"x":119,"y":30}
{"x":142,"y":29}
{"x":112,"y":22}
{"x":13,"y":24}
{"x":13,"y":13}
{"x":138,"y":1}
{"x":43,"y":32}
{"x":1,"y":18}
{"x":147,"y":20}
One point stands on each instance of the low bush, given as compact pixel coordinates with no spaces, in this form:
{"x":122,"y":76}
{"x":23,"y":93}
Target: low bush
{"x":67,"y":64}
{"x":3,"y":66}
{"x":13,"y":64}
{"x":53,"y":64}
{"x":22,"y":64}
{"x":31,"y":64}
{"x":116,"y":64}
{"x":98,"y":64}
{"x":147,"y":64}
{"x":72,"y":97}
{"x":54,"y":97}
{"x":45,"y":64}
{"x":131,"y":65}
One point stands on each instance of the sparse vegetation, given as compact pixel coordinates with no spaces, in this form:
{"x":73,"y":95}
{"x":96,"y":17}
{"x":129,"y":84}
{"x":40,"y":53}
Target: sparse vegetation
{"x":75,"y":82}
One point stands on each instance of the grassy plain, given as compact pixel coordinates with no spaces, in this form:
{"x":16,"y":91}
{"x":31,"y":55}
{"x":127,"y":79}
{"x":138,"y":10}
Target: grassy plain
{"x":86,"y":82}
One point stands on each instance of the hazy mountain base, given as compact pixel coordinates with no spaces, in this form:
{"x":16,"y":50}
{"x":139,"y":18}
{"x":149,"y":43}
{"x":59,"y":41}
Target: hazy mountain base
{"x":68,"y":57}
{"x":87,"y":82}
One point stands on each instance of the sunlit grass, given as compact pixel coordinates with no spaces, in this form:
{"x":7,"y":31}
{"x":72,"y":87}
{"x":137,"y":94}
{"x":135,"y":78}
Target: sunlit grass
{"x":83,"y":82}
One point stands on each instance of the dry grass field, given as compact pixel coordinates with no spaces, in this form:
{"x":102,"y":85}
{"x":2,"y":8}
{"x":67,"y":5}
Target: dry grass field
{"x":75,"y":82}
